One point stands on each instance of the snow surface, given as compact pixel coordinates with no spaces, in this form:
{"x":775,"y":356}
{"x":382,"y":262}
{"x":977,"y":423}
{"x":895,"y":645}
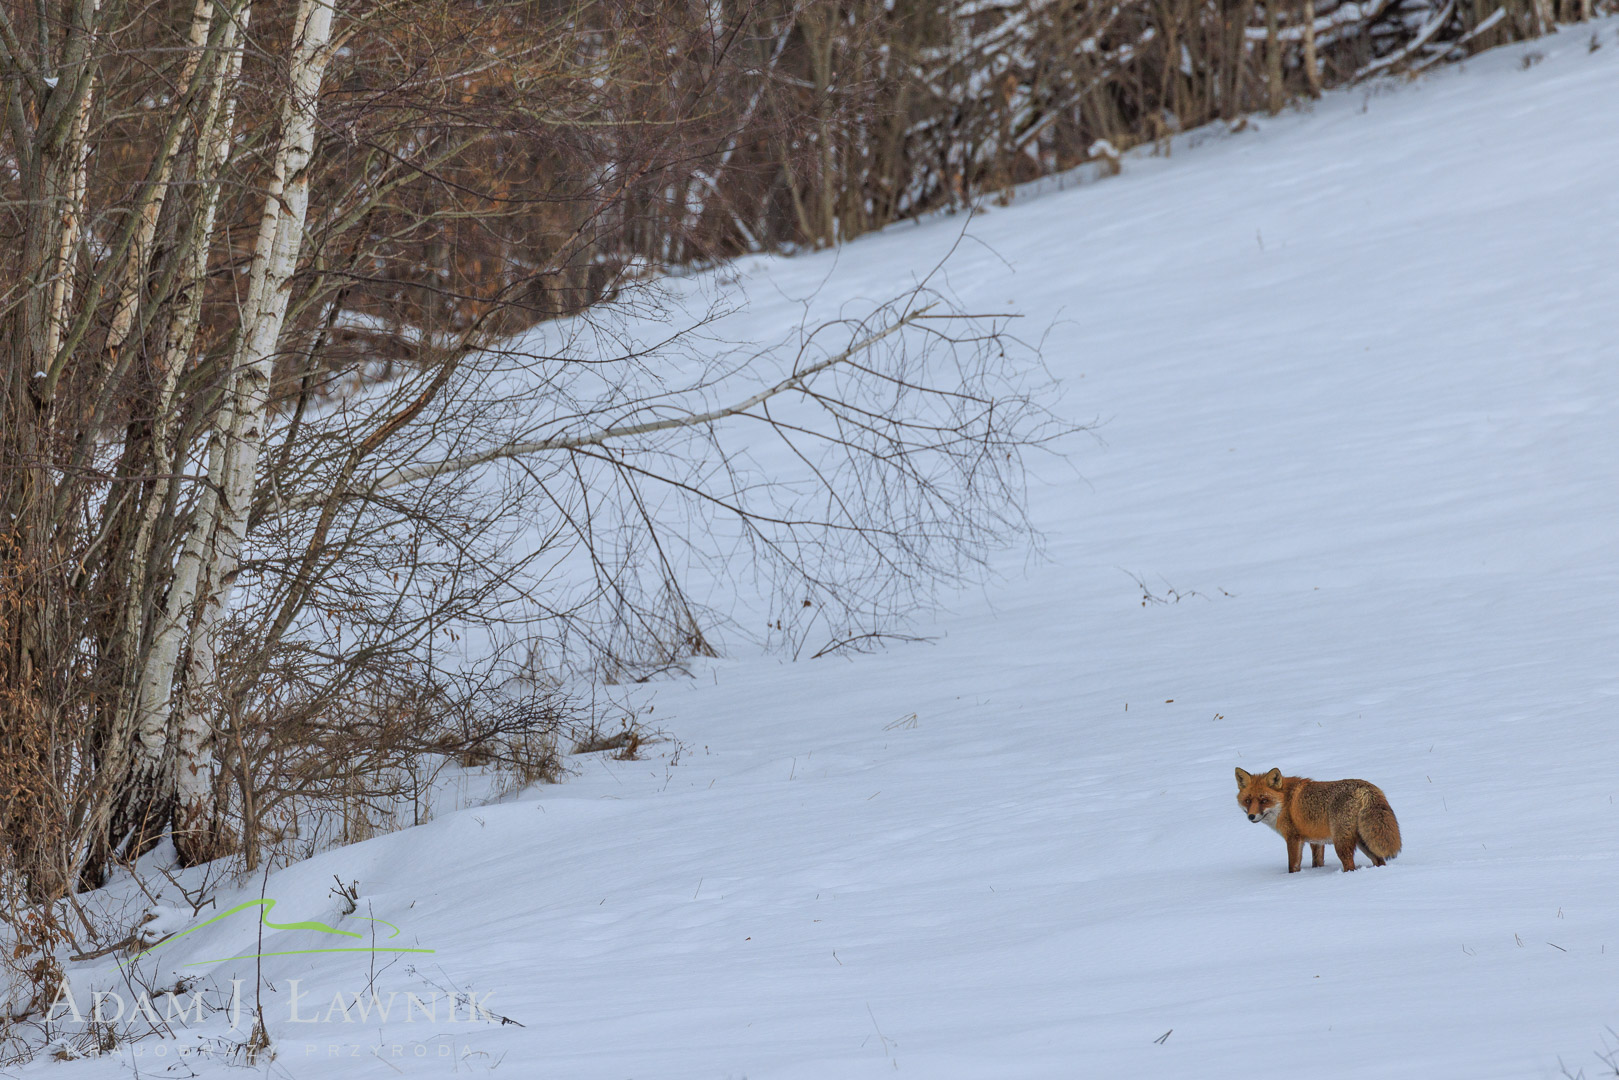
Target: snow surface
{"x":1356,"y":372}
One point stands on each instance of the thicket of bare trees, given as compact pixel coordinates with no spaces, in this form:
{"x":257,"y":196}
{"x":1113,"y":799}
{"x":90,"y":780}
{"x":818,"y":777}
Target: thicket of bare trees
{"x":842,"y":117}
{"x":271,"y":454}
{"x":269,"y":447}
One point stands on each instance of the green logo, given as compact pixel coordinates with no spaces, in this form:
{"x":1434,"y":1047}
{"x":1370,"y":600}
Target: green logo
{"x":309,"y":924}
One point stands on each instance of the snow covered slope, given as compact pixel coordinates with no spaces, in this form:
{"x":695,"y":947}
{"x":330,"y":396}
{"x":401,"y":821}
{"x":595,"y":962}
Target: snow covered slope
{"x":1357,"y":378}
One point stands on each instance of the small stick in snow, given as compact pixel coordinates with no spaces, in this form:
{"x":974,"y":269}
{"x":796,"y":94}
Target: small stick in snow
{"x":883,"y":1038}
{"x":1162,"y":1039}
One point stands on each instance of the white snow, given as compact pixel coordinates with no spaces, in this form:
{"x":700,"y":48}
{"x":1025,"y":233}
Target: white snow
{"x":1357,"y":378}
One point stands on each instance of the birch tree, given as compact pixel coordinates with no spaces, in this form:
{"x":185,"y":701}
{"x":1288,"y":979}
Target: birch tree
{"x":65,"y":377}
{"x":201,"y":589}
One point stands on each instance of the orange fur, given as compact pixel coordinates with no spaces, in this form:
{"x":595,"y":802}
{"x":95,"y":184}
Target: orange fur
{"x":1349,"y":813}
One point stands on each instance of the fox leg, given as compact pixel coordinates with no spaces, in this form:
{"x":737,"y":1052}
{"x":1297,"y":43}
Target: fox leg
{"x":1345,"y":847}
{"x":1318,"y":854}
{"x":1295,"y":853}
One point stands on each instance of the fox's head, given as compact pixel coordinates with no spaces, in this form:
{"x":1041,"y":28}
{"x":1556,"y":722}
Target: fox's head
{"x":1260,"y":796}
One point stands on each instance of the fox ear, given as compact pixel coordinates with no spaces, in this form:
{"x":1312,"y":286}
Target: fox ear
{"x":1274,"y":778}
{"x":1243,"y":776}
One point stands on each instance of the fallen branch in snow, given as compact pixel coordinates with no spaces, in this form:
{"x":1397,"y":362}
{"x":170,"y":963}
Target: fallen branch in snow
{"x":1174,"y":595}
{"x":875,"y":637}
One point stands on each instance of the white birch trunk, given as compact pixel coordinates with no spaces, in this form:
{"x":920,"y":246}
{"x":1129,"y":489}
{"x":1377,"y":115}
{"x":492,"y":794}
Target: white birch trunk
{"x":275,"y":258}
{"x":71,"y":197}
{"x":213,"y":136}
{"x":150,"y":726}
{"x":209,"y":560}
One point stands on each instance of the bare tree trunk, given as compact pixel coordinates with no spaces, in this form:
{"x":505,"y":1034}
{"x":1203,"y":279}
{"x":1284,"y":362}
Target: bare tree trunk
{"x":123,"y":317}
{"x":820,"y":35}
{"x":1273,"y":58}
{"x":1312,"y":66}
{"x":47,"y":100}
{"x":1236,"y":58}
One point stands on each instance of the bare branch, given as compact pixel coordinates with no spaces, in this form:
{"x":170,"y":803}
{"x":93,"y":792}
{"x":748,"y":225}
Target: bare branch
{"x":797,"y":380}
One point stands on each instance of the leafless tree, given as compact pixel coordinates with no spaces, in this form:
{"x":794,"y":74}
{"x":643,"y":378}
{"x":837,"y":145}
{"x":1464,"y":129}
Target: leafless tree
{"x":287,"y":503}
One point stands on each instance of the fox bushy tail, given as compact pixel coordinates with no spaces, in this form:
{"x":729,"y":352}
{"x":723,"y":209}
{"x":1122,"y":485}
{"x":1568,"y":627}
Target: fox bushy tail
{"x":1378,"y":831}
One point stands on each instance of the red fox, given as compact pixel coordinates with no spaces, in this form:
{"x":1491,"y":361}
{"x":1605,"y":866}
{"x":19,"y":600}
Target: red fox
{"x":1350,"y":813}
